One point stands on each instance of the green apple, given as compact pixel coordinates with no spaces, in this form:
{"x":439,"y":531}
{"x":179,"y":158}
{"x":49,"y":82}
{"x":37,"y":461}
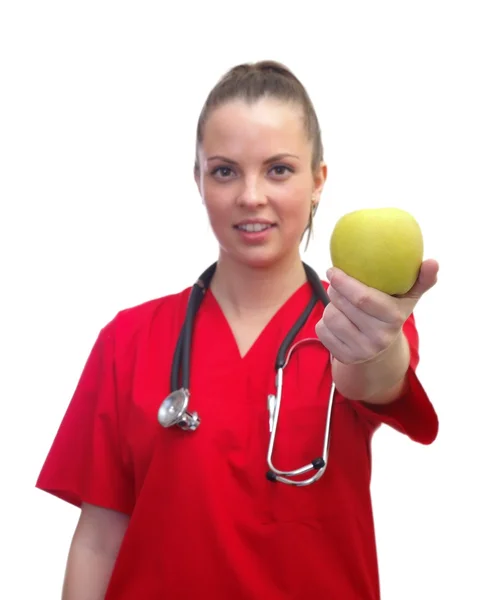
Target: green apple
{"x":381,"y":247}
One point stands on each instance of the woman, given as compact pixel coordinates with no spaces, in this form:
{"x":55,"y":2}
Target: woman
{"x":168,"y":512}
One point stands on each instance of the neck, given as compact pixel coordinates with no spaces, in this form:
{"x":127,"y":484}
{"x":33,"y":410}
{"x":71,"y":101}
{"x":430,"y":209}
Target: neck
{"x":241,"y":289}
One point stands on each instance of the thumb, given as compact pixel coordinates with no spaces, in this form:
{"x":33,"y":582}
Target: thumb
{"x":426,"y":279}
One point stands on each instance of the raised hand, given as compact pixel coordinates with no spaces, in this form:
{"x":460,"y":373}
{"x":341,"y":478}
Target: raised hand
{"x":361,"y":322}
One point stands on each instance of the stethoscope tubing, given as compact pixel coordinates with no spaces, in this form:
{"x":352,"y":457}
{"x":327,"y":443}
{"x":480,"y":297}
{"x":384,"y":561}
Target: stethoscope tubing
{"x":180,"y":371}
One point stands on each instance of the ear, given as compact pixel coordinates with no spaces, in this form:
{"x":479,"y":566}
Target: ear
{"x":319,"y":181}
{"x":197,"y":179}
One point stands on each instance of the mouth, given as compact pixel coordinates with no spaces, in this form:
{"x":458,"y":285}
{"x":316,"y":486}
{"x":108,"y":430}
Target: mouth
{"x":254,"y":227}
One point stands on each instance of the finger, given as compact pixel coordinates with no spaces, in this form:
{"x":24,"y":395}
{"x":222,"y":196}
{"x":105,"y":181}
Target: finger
{"x":366,"y":323}
{"x":375,"y":335}
{"x":369,"y":300}
{"x":345,"y":331}
{"x":336,"y":347}
{"x":426,"y":279}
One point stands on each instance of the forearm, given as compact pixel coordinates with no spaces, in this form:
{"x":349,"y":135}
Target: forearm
{"x":88,"y":573}
{"x":94,"y":550}
{"x":378,"y":381}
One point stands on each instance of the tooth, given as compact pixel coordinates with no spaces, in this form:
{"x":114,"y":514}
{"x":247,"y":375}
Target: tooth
{"x":254,"y":227}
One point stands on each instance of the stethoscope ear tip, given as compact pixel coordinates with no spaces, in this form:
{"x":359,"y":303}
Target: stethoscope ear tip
{"x":271,"y":476}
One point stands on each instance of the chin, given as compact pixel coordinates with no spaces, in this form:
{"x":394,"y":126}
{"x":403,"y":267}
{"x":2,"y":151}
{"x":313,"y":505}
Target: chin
{"x":261,"y":259}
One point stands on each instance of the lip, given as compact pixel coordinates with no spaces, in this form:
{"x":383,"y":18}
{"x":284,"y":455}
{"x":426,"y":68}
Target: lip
{"x":253,"y":238}
{"x":254,"y":222}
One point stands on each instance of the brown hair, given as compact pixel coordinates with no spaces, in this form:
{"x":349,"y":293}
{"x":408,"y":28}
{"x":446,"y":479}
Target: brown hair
{"x":252,"y":81}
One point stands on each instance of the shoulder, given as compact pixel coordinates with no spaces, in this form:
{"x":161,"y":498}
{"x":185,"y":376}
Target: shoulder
{"x":128,"y":322}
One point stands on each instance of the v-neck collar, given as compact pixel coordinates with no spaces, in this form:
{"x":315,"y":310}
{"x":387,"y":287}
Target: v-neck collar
{"x":294,"y":305}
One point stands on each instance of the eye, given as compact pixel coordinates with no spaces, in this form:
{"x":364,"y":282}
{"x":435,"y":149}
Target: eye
{"x":281,"y":170}
{"x":222,"y":172}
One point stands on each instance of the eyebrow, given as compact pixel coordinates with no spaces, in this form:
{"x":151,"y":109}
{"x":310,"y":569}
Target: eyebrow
{"x":268,"y":160}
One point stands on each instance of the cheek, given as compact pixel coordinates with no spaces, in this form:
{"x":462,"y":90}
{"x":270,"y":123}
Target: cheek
{"x":217,"y":209}
{"x":295,"y":209}
{"x":214,"y":200}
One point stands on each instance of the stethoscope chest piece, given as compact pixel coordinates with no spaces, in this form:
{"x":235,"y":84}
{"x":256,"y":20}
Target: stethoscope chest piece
{"x":173,"y":411}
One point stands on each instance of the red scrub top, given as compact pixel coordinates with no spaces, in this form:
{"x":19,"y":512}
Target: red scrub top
{"x":205,"y":521}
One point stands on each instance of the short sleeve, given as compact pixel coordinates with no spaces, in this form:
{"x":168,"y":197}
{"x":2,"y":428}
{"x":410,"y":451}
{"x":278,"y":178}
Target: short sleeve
{"x":85,"y":461}
{"x":412,"y":413}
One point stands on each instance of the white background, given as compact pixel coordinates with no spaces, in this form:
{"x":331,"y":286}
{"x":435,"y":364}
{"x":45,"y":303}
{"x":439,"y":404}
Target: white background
{"x":99,"y":211}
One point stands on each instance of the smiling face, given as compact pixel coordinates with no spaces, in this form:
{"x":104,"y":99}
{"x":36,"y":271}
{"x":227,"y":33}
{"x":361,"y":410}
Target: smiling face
{"x":256,"y":180}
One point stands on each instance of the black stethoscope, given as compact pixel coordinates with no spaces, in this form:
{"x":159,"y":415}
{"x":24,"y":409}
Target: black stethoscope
{"x":173,"y":410}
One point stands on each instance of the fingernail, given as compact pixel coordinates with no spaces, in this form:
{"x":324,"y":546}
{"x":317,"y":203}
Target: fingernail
{"x":329,"y":273}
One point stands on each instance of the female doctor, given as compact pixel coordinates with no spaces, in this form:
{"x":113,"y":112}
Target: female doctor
{"x":184,"y":501}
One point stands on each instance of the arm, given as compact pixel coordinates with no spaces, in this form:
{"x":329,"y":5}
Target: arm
{"x":93,"y":553}
{"x":378,"y":381}
{"x":85,"y":467}
{"x":363,"y":331}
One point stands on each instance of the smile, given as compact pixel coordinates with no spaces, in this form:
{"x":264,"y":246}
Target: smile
{"x":254,"y":227}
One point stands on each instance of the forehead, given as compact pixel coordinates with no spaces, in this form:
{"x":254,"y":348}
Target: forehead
{"x":267,"y":126}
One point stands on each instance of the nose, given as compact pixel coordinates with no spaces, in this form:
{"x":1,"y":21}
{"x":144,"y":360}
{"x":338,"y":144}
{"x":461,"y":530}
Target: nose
{"x":252,"y":193}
